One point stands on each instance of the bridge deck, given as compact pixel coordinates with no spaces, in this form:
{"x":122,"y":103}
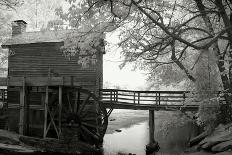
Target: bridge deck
{"x":150,"y":106}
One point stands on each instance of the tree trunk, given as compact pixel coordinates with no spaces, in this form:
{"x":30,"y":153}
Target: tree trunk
{"x":226,"y":81}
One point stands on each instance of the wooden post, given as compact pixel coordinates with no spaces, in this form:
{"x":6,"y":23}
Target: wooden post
{"x":156,"y":98}
{"x":114,"y":96}
{"x":60,"y":109}
{"x":138,"y":97}
{"x":153,"y":146}
{"x":184,"y":97}
{"x":134,"y":97}
{"x":22,"y":108}
{"x":27,"y":102}
{"x":45,"y":112}
{"x":111,"y":96}
{"x":117,"y":96}
{"x":151,"y":126}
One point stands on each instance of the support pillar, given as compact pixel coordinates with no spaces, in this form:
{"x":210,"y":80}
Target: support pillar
{"x":22,"y":108}
{"x":45,"y":112}
{"x":151,"y":126}
{"x":27,"y":112}
{"x":153,"y":146}
{"x":60,"y":109}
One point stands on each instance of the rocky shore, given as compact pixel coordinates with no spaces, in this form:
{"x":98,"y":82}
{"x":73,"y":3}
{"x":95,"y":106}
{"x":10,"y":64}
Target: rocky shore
{"x":219,"y":142}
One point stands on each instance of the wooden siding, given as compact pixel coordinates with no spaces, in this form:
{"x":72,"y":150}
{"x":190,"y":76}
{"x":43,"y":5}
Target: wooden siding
{"x":37,"y":61}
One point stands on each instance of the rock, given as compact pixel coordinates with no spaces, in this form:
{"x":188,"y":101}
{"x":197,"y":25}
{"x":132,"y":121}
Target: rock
{"x":152,"y":147}
{"x":121,"y":153}
{"x":215,"y":138}
{"x":208,"y":153}
{"x":218,"y":141}
{"x":224,"y":146}
{"x":192,"y":149}
{"x":16,"y":148}
{"x":198,"y":138}
{"x":113,"y":119}
{"x":209,"y":144}
{"x":224,"y":153}
{"x":200,"y":153}
{"x":118,"y":130}
{"x":9,"y":137}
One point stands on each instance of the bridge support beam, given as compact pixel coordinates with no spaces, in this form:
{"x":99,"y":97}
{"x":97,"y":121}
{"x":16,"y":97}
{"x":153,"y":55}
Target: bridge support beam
{"x":151,"y":126}
{"x":153,"y":146}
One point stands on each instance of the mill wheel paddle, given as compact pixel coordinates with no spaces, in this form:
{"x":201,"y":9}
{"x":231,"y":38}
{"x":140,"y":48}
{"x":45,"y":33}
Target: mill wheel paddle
{"x":84,"y":113}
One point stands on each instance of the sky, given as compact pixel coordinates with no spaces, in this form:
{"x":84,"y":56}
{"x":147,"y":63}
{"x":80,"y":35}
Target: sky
{"x":126,"y":77}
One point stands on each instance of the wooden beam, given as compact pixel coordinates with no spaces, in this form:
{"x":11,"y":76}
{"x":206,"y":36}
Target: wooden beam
{"x":27,"y":102}
{"x":45,"y":81}
{"x":123,"y":105}
{"x":45,"y":112}
{"x":22,"y":108}
{"x":151,"y":126}
{"x":60,"y":109}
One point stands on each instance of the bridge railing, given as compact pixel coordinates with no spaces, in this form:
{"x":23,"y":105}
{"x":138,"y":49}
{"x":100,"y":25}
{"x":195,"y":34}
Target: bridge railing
{"x":3,"y":95}
{"x":151,"y":97}
{"x":143,"y":97}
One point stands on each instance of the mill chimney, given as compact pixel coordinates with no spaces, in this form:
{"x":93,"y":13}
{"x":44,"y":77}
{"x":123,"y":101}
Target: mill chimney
{"x":18,"y":27}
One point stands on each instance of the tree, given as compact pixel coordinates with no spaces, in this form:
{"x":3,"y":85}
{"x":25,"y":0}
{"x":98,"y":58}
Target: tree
{"x":9,"y":4}
{"x":6,"y":8}
{"x":156,"y":33}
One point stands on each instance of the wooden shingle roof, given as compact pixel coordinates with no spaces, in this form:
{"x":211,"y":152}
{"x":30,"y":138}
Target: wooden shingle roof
{"x":43,"y":37}
{"x":38,"y":37}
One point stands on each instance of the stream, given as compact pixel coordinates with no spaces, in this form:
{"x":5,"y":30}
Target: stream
{"x":172,"y":139}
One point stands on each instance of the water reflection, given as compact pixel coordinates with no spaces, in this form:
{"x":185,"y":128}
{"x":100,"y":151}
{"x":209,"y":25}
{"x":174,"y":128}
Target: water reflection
{"x":131,"y":140}
{"x":134,"y":140}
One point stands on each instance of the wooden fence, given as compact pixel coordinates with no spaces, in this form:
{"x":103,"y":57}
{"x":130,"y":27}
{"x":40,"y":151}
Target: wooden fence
{"x":143,"y":97}
{"x":148,"y":97}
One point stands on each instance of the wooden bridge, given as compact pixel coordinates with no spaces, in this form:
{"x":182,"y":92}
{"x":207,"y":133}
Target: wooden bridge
{"x":147,"y":100}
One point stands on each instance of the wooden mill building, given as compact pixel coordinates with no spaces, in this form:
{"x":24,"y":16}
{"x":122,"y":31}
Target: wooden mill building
{"x":36,"y":62}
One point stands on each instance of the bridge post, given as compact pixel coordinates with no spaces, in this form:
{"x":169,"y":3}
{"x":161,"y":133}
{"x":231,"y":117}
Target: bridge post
{"x":153,"y":146}
{"x":151,"y":126}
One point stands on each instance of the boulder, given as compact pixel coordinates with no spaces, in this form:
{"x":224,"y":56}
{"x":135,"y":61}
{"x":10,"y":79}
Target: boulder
{"x":200,"y":153}
{"x":208,"y":153}
{"x":222,"y":146}
{"x":198,"y":138}
{"x":7,"y":137}
{"x":221,"y":134}
{"x":224,"y":153}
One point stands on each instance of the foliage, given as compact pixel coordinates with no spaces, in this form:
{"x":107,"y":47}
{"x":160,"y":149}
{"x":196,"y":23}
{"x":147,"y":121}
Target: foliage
{"x":84,"y":46}
{"x":208,"y":114}
{"x":6,"y":9}
{"x":38,"y":13}
{"x":155,"y":32}
{"x":175,"y":121}
{"x":9,"y":4}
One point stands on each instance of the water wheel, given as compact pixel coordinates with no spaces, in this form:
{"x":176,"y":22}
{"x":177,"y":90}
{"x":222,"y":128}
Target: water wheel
{"x":80,"y":117}
{"x":84,"y":114}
